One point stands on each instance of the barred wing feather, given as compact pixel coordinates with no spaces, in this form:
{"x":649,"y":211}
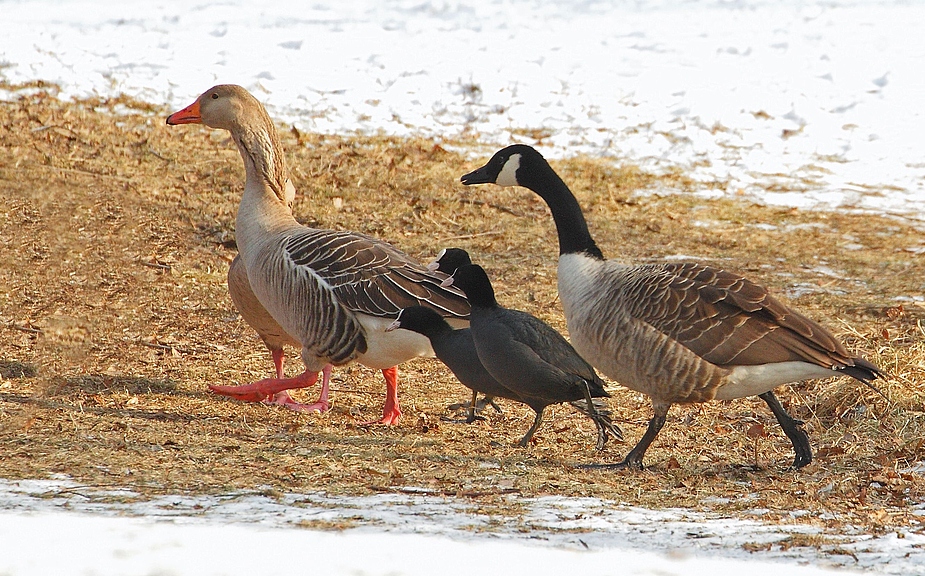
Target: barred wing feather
{"x":369,"y":276}
{"x":725,"y":318}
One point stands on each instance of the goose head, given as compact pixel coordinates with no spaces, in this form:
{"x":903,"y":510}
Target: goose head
{"x":521,"y":165}
{"x":225,"y":106}
{"x":449,"y":260}
{"x":230,"y":107}
{"x":516,"y":165}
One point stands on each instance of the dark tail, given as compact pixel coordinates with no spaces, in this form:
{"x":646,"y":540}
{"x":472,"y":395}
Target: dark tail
{"x":865,"y":372}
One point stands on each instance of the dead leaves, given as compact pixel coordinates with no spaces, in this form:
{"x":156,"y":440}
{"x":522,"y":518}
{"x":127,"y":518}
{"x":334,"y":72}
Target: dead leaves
{"x":115,"y":239}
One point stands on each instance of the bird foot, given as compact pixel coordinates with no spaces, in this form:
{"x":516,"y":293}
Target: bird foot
{"x":624,"y":465}
{"x":389,"y":418}
{"x":265,"y":389}
{"x":802,"y":460}
{"x":481,"y":404}
{"x":254,"y":392}
{"x":466,"y":420}
{"x":284,"y":399}
{"x":605,"y":429}
{"x":464,"y":405}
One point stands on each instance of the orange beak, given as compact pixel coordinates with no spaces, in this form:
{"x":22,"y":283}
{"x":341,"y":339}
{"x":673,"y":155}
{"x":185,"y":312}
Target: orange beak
{"x":189,"y":115}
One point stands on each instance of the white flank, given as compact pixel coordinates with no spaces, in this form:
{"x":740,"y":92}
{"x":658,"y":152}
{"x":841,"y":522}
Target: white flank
{"x":754,"y":380}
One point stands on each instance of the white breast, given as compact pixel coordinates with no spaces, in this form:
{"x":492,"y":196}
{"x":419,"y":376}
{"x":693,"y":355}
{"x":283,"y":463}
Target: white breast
{"x":577,"y":281}
{"x":386,"y":349}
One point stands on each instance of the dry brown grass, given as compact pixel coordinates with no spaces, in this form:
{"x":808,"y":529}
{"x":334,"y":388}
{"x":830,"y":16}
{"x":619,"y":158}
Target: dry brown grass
{"x":117,"y":231}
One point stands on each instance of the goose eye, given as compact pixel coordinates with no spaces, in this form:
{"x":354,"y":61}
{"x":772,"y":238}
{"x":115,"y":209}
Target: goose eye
{"x":214,"y":96}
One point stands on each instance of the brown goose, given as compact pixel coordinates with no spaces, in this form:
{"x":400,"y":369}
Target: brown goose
{"x":333,"y":292}
{"x":679,"y":333}
{"x":273,"y":336}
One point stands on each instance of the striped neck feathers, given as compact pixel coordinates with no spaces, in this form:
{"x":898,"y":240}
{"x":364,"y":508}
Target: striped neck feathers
{"x":264,"y":161}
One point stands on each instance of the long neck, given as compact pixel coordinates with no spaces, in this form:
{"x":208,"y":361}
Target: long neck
{"x":266,"y":205}
{"x":571,"y":226}
{"x":263,"y":159}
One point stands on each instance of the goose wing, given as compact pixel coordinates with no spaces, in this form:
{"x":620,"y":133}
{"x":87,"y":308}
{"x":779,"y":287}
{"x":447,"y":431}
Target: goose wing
{"x":543,"y":347}
{"x":369,"y":276}
{"x":727,"y":319}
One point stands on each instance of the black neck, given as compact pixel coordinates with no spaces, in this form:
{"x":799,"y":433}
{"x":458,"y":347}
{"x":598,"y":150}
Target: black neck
{"x":484,"y":297}
{"x":574,"y":237}
{"x":436,"y":328}
{"x":474,"y":282}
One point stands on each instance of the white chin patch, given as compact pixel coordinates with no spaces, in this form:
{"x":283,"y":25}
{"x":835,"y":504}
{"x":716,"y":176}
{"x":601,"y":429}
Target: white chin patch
{"x":508,"y":174}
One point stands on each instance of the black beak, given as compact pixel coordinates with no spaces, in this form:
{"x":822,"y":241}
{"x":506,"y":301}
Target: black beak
{"x":480,"y":176}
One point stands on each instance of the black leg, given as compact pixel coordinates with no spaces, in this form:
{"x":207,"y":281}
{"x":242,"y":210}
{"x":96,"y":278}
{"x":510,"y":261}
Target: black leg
{"x":634,"y":458}
{"x":472,"y":407}
{"x":536,"y":424}
{"x":488,"y":401}
{"x":605,"y":427}
{"x":803,"y":453}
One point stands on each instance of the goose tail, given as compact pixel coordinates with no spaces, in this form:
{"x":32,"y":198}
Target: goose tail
{"x":865,"y":372}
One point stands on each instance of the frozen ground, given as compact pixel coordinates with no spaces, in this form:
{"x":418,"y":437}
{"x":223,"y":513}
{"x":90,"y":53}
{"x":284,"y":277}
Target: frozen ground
{"x":58,"y":527}
{"x":803,"y":103}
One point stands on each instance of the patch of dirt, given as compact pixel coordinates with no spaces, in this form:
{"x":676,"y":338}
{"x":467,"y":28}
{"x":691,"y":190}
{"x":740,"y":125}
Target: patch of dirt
{"x":115,"y":236}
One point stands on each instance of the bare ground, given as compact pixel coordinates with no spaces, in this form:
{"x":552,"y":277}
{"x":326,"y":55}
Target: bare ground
{"x":115,"y":236}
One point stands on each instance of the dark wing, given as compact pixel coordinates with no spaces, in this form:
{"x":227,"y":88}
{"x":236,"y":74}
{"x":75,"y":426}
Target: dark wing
{"x":370,"y":276}
{"x":725,"y":318}
{"x":550,"y":347}
{"x":457,"y":350}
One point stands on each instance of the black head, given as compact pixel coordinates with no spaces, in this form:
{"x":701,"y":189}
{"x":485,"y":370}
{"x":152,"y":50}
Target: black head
{"x":420,"y":319}
{"x":508,"y":167}
{"x":449,"y":260}
{"x":473,"y":280}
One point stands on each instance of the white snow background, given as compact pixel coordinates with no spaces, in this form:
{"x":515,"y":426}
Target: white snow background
{"x":821,"y":98}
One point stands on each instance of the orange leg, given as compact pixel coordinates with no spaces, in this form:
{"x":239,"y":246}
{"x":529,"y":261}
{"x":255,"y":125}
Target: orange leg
{"x":390,"y":410}
{"x":263,"y":389}
{"x":284,"y":399}
{"x":279,"y":358}
{"x":274,"y":390}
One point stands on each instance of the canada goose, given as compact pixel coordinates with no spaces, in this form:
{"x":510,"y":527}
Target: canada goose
{"x":333,"y":292}
{"x":527,"y":356}
{"x":679,"y":333}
